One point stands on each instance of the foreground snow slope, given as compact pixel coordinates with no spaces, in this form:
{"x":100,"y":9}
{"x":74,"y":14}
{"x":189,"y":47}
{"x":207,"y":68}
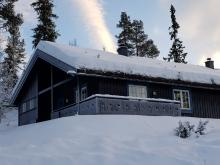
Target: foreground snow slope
{"x":108,"y":140}
{"x":9,"y":120}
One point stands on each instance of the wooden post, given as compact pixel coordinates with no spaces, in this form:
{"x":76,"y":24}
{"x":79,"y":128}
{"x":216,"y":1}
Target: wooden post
{"x":37,"y":97}
{"x":51,"y":80}
{"x":78,"y":88}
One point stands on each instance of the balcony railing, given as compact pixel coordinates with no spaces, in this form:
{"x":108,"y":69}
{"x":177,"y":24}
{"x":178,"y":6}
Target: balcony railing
{"x":109,"y":104}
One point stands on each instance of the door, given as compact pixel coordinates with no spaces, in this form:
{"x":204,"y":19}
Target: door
{"x":44,"y":106}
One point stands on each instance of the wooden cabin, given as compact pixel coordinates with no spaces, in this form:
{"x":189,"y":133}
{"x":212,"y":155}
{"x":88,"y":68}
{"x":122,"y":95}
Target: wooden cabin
{"x":63,"y":80}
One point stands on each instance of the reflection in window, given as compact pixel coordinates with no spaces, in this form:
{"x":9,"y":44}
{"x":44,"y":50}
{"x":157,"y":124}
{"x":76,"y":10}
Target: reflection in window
{"x":183,"y":97}
{"x":32,"y":104}
{"x":138,"y":91}
{"x":84,"y":93}
{"x":24,"y":107}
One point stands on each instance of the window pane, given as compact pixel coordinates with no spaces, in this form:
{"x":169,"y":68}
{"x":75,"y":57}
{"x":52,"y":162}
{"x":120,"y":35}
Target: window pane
{"x":31,"y":103}
{"x":137,"y":91}
{"x":185,"y":99}
{"x":24,"y":107}
{"x":83,"y":93}
{"x":76,"y":96}
{"x":177,"y":96}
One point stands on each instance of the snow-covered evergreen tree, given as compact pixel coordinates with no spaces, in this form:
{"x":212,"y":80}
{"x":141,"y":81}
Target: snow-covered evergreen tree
{"x":142,"y":46}
{"x":138,"y":37}
{"x":134,"y":38}
{"x":176,"y":53}
{"x":14,"y":51}
{"x":2,"y":88}
{"x":184,"y":130}
{"x":124,"y":38}
{"x":46,"y":28}
{"x":151,"y":49}
{"x":200,"y":130}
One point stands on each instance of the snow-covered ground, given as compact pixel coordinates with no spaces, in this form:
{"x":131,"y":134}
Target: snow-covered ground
{"x":109,"y":140}
{"x":9,"y":121}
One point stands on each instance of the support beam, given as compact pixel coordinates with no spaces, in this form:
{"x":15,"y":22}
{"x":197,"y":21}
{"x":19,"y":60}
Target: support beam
{"x":54,"y":86}
{"x":51,"y":80}
{"x":78,"y":92}
{"x":62,"y":82}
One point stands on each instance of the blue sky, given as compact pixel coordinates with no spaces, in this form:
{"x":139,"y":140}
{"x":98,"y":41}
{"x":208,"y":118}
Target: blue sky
{"x":200,"y":29}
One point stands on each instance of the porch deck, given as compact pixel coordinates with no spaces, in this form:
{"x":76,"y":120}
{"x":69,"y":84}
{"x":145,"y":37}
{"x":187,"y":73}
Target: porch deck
{"x":109,"y":104}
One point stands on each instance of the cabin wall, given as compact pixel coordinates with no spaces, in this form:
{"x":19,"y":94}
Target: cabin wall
{"x":120,"y":87}
{"x":206,"y":103}
{"x":29,"y":96}
{"x":91,"y":83}
{"x":160,"y":91}
{"x":113,"y":87}
{"x":61,"y":88}
{"x":35,"y":103}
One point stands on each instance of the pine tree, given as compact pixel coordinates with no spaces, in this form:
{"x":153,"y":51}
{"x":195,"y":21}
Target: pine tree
{"x":14,"y":51}
{"x":176,"y":53}
{"x":200,"y":130}
{"x":184,"y":130}
{"x":138,"y":37}
{"x":143,"y":47}
{"x":151,"y":49}
{"x":124,"y":38}
{"x":1,"y":48}
{"x":46,"y":28}
{"x":1,"y":85}
{"x":134,"y":38}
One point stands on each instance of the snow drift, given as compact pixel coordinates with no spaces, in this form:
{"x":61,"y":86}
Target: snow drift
{"x":108,"y":140}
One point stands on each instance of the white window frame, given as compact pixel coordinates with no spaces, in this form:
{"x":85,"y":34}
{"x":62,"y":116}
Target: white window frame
{"x":83,"y":97}
{"x":136,"y":86}
{"x":181,"y":98}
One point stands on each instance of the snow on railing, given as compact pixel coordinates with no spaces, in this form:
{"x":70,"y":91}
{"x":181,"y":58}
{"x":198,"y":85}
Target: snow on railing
{"x":130,"y":98}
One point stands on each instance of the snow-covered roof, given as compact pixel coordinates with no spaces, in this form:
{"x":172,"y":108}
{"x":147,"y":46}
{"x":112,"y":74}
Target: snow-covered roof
{"x":108,"y":62}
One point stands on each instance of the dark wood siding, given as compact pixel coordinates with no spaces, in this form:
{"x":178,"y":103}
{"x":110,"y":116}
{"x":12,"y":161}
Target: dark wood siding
{"x":113,"y":87}
{"x":159,"y":91}
{"x":30,"y":91}
{"x":91,"y":83}
{"x":206,"y":103}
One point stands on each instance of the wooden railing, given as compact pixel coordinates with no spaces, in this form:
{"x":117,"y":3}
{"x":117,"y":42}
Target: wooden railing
{"x":108,"y":104}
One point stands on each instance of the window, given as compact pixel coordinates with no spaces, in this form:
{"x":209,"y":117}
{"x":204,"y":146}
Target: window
{"x":138,"y":91}
{"x":24,"y":107}
{"x":76,"y":96}
{"x":28,"y":105}
{"x":32,"y":104}
{"x":183,"y":97}
{"x":83,"y":93}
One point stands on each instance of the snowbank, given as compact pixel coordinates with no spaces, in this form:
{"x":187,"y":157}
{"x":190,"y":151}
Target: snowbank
{"x":109,"y":140}
{"x":10,"y":120}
